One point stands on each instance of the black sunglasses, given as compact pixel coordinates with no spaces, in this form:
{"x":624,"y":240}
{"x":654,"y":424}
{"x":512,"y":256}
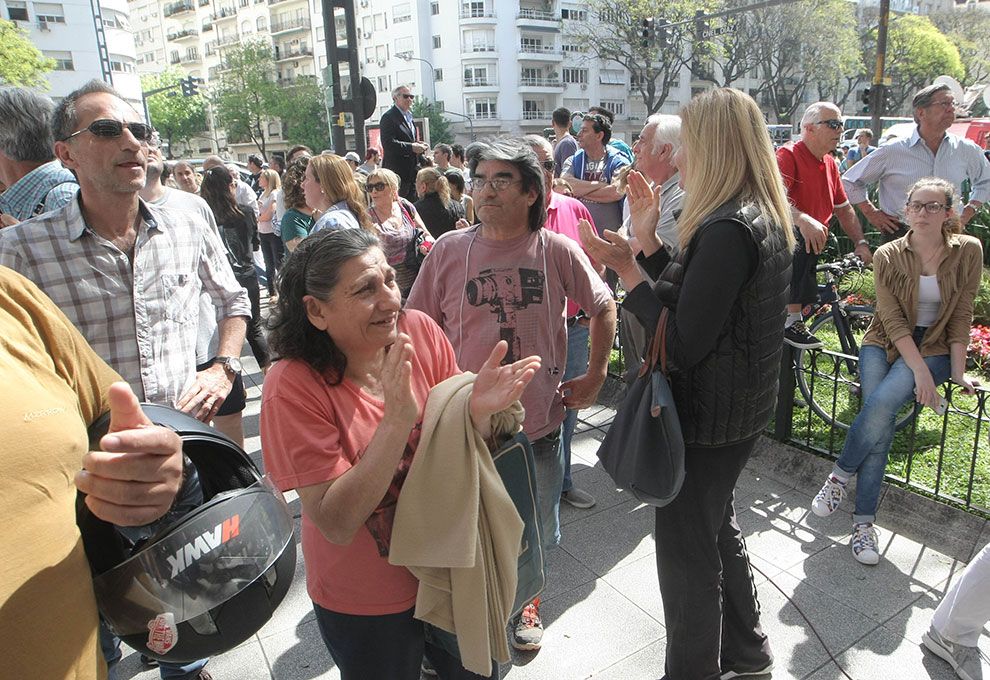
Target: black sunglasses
{"x":109,"y":128}
{"x":548,"y":164}
{"x":407,"y":96}
{"x":376,"y":186}
{"x":834,"y":123}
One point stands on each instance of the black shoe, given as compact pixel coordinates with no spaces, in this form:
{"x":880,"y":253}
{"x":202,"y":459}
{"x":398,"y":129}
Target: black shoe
{"x":148,"y":662}
{"x":797,"y":335}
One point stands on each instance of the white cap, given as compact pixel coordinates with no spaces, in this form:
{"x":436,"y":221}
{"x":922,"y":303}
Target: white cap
{"x":351,"y":156}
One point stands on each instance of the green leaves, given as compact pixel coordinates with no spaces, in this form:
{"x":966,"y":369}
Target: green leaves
{"x":21,"y":63}
{"x":177,"y":119}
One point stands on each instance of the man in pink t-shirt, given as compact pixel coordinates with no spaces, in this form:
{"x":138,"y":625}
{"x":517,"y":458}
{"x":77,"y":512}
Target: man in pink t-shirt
{"x":509,"y":279}
{"x":815,"y":192}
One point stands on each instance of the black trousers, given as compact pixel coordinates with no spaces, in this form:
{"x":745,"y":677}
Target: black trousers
{"x":255,"y":335}
{"x":709,"y":597}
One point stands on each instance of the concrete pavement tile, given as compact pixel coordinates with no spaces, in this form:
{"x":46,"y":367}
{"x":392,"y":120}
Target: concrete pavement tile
{"x":828,"y":671}
{"x":882,"y":654}
{"x":779,"y":540}
{"x":616,"y":536}
{"x":878,"y":592}
{"x":795,"y":506}
{"x":638,"y":583}
{"x":246,"y":661}
{"x":299,"y":654}
{"x":595,"y":481}
{"x":584,"y":447}
{"x":646,"y":664}
{"x":914,"y":621}
{"x":564,"y":573}
{"x":579,"y":637}
{"x":981,"y":541}
{"x":597,"y":416}
{"x":796,"y":650}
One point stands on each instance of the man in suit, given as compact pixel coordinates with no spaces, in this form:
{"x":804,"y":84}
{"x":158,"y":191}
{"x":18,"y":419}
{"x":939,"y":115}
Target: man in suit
{"x":398,"y":136}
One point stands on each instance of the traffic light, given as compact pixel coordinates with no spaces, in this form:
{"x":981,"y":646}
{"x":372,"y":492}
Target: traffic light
{"x":647,"y":32}
{"x":661,"y":38}
{"x":190,"y":86}
{"x":864,"y":97}
{"x":701,"y":28}
{"x":888,"y":103}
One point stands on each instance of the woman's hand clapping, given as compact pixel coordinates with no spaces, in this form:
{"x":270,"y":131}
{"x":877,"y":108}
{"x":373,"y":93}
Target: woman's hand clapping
{"x":400,"y":404}
{"x":497,"y":387}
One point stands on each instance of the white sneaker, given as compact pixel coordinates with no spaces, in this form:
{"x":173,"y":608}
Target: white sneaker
{"x":864,"y":543}
{"x":828,"y":499}
{"x":967,"y":662}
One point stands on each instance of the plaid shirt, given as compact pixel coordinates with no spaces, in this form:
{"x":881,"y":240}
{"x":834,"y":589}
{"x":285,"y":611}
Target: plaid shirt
{"x":46,"y":188}
{"x":141,"y":318}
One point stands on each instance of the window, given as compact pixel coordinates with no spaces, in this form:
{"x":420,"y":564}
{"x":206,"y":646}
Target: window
{"x":473,"y":9}
{"x":438,"y":105}
{"x":575,"y":75}
{"x":437,"y":75}
{"x":615,"y":106}
{"x":531,"y":76}
{"x":192,"y":54}
{"x":436,"y":42}
{"x":17,"y":11}
{"x":479,"y":41}
{"x":532,"y":44}
{"x":611,"y":77}
{"x":401,"y":13}
{"x":121,"y":64}
{"x":434,"y":8}
{"x":320,"y":35}
{"x":63,"y":60}
{"x":404,"y":46}
{"x":380,"y":22}
{"x":574,"y":48}
{"x":262,"y":24}
{"x":53,"y":13}
{"x":384,"y":83}
{"x":574,"y":14}
{"x":483,"y":108}
{"x":477,"y":75}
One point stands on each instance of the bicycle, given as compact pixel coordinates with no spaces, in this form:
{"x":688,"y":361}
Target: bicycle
{"x":828,"y":378}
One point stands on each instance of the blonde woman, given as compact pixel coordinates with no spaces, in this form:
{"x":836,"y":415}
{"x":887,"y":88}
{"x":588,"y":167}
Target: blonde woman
{"x":330,"y":189}
{"x":726,"y":291}
{"x":926,"y":282}
{"x":297,"y":221}
{"x":397,"y":224}
{"x":271,"y":242}
{"x":435,"y":206}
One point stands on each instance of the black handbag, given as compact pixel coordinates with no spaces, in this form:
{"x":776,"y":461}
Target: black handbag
{"x":643,"y":450}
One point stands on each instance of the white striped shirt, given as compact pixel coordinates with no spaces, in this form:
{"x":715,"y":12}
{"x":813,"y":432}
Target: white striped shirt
{"x":899,"y":164}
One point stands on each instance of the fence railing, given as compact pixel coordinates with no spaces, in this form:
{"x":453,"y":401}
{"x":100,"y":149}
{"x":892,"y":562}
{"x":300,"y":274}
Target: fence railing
{"x":944,"y":456}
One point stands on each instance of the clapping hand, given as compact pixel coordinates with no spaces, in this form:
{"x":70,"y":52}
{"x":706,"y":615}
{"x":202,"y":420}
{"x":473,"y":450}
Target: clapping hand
{"x":497,"y":387}
{"x":644,"y":212}
{"x":400,"y":403}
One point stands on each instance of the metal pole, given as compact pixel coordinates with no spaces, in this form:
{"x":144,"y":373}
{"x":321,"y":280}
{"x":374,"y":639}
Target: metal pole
{"x":879,"y":90}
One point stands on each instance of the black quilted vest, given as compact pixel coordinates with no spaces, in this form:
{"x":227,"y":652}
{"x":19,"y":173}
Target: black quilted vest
{"x":729,"y":395}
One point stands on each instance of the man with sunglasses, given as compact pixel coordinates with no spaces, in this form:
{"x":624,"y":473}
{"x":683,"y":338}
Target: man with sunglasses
{"x":930,"y":151}
{"x":814,"y":190}
{"x":401,"y":148}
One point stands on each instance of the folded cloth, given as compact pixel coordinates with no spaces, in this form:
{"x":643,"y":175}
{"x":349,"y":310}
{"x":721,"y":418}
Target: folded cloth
{"x":456,"y":528}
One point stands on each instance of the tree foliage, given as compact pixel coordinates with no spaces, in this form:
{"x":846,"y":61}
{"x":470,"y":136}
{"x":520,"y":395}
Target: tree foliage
{"x":177,"y":118}
{"x":302,"y":107}
{"x":21,"y":63}
{"x":439,"y":126}
{"x":245,"y":93}
{"x":969,"y":31}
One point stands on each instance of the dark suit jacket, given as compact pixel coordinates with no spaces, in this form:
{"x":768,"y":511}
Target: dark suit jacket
{"x":397,"y":140}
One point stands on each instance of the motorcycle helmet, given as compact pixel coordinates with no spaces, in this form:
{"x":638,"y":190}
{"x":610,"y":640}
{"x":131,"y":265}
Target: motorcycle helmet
{"x":211,"y":572}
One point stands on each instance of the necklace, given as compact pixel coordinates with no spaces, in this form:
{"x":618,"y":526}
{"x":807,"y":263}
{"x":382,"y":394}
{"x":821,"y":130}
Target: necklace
{"x":928,"y":261}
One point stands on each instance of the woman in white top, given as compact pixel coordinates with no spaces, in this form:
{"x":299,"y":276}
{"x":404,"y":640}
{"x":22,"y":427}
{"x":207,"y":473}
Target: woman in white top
{"x":330,"y":189}
{"x":272,"y":249}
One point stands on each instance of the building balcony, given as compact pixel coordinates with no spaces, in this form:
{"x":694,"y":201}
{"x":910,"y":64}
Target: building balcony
{"x":174,"y":8}
{"x":208,"y":26}
{"x":483,"y":116}
{"x":192,"y":58}
{"x":538,"y":19}
{"x":280,"y":2}
{"x":478,"y":51}
{"x":224,"y":13}
{"x":184,"y":34}
{"x":286,"y":53}
{"x":480,"y":84}
{"x":540,"y":53}
{"x":287,"y":25}
{"x":536,"y":117}
{"x":475,"y":17}
{"x":174,"y":59}
{"x":540,"y":84}
{"x":225,"y":40}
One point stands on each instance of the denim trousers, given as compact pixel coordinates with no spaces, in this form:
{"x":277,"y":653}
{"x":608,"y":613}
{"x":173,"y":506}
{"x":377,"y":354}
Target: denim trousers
{"x":577,"y":364}
{"x":886,"y":387}
{"x":549,"y":482}
{"x":272,"y":250}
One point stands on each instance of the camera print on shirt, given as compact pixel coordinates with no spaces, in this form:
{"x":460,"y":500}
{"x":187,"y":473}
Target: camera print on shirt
{"x":507,"y":291}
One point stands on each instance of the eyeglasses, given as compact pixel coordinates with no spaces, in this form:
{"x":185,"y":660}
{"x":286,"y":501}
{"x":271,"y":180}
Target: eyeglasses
{"x":930,"y":208}
{"x":548,"y":164}
{"x":109,"y":128}
{"x":944,"y":103}
{"x":407,"y":96}
{"x":497,"y":184}
{"x":376,"y":186}
{"x":834,"y":123}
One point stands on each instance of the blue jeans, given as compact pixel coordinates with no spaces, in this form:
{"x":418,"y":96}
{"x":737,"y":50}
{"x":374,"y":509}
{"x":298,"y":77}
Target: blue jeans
{"x":577,"y":364}
{"x":110,"y":644}
{"x":549,"y":480}
{"x":886,"y":388}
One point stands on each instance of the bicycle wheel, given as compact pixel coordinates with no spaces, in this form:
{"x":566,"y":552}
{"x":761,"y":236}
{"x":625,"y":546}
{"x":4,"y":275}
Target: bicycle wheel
{"x":825,"y":379}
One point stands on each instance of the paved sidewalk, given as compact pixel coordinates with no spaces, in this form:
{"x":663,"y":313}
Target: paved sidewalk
{"x":602,"y":608}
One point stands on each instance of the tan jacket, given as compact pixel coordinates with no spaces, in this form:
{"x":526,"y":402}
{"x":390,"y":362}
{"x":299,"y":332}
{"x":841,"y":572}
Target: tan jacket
{"x":897,"y":272}
{"x":457,"y":530}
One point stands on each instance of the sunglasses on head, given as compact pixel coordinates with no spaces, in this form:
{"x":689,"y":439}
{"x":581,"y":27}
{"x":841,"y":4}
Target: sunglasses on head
{"x":834,"y":123}
{"x":376,"y":186}
{"x":109,"y":128}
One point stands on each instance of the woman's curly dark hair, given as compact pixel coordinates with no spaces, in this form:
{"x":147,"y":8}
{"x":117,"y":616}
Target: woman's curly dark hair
{"x":314,"y":269}
{"x":292,"y":193}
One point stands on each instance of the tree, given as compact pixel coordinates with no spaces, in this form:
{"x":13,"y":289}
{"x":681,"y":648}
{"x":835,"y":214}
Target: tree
{"x":302,"y":107}
{"x":616,"y":36}
{"x":732,"y":51}
{"x":177,"y":119}
{"x":969,"y":31}
{"x":246,"y":95}
{"x":21,"y":63}
{"x":799,"y":45}
{"x":439,"y":126}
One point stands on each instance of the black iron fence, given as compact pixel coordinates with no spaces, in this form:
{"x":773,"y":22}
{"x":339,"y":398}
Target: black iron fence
{"x":944,"y":456}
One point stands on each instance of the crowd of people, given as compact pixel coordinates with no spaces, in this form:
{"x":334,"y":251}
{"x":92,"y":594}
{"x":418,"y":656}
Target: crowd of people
{"x":454,"y":285}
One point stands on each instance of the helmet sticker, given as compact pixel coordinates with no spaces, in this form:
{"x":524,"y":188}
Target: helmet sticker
{"x":163,"y":634}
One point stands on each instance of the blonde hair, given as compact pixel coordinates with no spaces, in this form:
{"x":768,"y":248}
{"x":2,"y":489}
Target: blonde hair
{"x":274,"y":181}
{"x":743,"y":166}
{"x":952,"y":224}
{"x":337,"y":181}
{"x":387,"y":176}
{"x":435,"y":181}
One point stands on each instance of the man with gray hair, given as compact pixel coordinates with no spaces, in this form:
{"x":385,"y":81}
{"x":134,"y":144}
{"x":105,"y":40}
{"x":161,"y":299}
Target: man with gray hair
{"x":811,"y":177}
{"x":399,"y":144}
{"x":36,"y":182}
{"x":931,"y":151}
{"x":508,"y":279}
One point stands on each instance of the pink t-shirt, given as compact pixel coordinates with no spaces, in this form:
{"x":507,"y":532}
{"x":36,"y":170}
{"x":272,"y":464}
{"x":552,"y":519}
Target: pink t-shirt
{"x":481,"y":291}
{"x":312,"y":433}
{"x":563,"y":215}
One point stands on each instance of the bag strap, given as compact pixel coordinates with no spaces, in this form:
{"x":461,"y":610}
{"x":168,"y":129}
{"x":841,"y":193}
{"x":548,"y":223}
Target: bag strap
{"x":658,"y":346}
